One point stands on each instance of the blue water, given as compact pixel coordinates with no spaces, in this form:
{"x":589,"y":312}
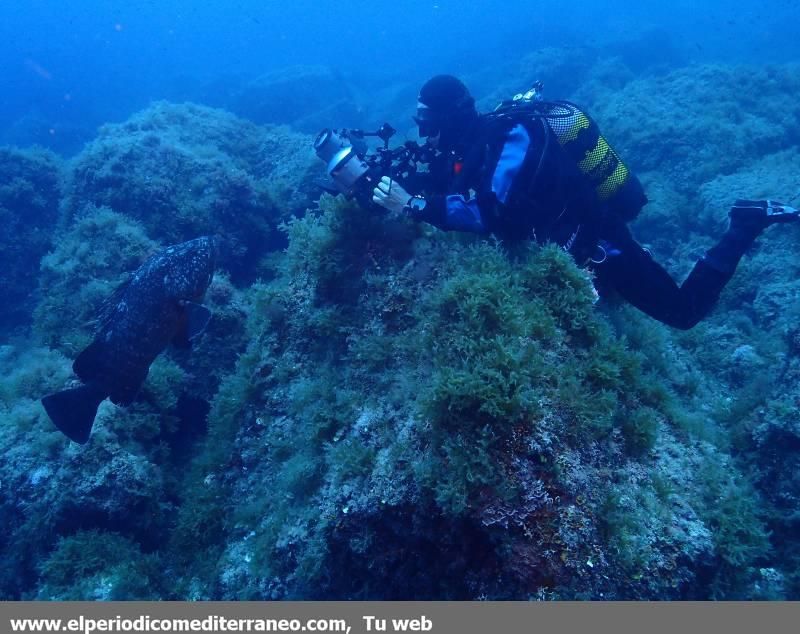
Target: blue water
{"x":78,"y":64}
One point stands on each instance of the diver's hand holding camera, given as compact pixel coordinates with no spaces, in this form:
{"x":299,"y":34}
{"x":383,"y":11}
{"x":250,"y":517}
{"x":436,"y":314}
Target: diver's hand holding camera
{"x":372,"y":177}
{"x":390,"y":195}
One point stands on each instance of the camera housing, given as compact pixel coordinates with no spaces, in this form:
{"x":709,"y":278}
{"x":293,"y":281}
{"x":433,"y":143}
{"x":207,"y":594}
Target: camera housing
{"x":343,"y":164}
{"x":355,"y":172}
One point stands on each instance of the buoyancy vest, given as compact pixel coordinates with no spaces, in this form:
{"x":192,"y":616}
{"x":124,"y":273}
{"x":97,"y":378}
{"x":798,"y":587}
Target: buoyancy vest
{"x":615,"y":186}
{"x":571,"y":180}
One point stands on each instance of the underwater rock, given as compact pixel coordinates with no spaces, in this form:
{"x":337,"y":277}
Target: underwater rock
{"x":30,"y":187}
{"x":308,"y":98}
{"x":561,"y":71}
{"x":187,"y":170}
{"x":763,"y":176}
{"x":697,"y":122}
{"x":86,"y":264}
{"x":387,"y":390}
{"x":464,"y":404}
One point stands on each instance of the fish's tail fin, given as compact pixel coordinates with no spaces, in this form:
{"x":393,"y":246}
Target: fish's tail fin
{"x":73,"y":411}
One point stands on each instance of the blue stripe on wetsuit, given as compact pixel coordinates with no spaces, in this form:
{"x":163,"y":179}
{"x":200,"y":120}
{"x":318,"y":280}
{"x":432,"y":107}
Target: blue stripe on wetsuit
{"x":510,"y":161}
{"x":464,"y":214}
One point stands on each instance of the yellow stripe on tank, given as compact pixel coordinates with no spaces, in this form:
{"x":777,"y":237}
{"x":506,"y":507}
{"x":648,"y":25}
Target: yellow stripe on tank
{"x":595,"y":156}
{"x":608,"y":187}
{"x":581,"y":123}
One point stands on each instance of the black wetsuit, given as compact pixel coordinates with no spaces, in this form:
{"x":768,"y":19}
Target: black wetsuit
{"x":635,"y":276}
{"x":517,"y":181}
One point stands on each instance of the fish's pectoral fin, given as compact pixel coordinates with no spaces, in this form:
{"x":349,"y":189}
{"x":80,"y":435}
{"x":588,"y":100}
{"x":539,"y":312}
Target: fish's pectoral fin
{"x":73,"y":411}
{"x":194,"y":322}
{"x":180,"y":341}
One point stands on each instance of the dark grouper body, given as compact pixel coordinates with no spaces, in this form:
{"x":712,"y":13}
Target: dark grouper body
{"x":155,"y":307}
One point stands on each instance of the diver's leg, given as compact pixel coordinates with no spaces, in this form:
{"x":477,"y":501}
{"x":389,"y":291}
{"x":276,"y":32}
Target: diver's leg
{"x":748,"y":219}
{"x":630,"y":270}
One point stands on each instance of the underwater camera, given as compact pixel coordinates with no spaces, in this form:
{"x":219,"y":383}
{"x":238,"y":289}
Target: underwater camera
{"x":354,"y":171}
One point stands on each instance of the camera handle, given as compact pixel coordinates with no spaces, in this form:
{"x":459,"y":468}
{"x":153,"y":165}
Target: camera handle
{"x":384,"y":133}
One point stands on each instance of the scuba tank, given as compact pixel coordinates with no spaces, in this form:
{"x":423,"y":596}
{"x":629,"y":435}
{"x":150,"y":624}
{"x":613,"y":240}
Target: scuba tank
{"x":616,"y":188}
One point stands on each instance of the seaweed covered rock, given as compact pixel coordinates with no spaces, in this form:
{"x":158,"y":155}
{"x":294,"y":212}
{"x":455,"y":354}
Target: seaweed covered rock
{"x":120,"y":488}
{"x":766,"y":282}
{"x":765,"y":176}
{"x":87,"y":263}
{"x":30,"y":187}
{"x":776,"y":456}
{"x":53,"y":489}
{"x":700,"y":121}
{"x":465,"y":404}
{"x":187,"y":170}
{"x":758,"y":351}
{"x":562,"y":72}
{"x":58,"y":491}
{"x":100,"y":566}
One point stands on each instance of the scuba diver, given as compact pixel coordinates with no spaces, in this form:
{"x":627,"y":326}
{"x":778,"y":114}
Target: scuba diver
{"x":541,"y":170}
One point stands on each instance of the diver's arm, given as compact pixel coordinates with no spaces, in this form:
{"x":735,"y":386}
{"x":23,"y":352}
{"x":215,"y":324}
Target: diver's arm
{"x":456,"y":212}
{"x":449,"y":213}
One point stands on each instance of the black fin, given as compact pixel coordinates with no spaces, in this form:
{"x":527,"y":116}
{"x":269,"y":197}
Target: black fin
{"x":194,"y":322}
{"x":73,"y":411}
{"x":180,"y":340}
{"x":88,"y":364}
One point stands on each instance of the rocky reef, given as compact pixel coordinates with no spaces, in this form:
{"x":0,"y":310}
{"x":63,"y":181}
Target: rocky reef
{"x":308,"y":98}
{"x":383,"y":411}
{"x":29,"y":197}
{"x":182,"y":170}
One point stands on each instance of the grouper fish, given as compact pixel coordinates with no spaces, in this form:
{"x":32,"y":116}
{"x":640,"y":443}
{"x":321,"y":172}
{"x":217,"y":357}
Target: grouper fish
{"x":156,"y":306}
